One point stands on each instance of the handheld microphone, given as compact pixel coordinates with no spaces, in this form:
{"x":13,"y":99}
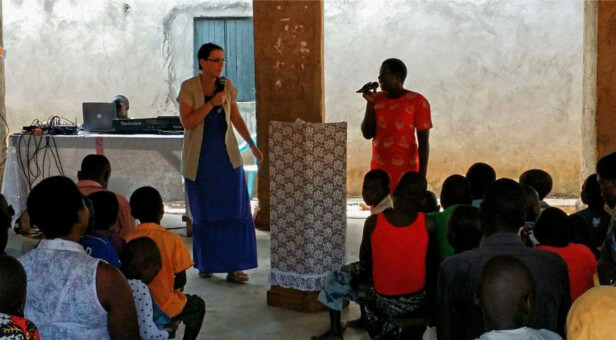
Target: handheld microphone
{"x":220,"y":87}
{"x":368,"y":87}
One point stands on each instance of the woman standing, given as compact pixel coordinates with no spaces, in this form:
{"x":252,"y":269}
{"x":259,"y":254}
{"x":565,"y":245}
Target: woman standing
{"x":223,"y":230}
{"x":391,"y":118}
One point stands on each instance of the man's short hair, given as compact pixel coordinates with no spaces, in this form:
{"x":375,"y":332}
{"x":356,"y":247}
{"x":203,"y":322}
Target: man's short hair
{"x":479,"y":176}
{"x":397,"y":67}
{"x":411,"y":185}
{"x":54,"y":205}
{"x":146,"y":204}
{"x":503,"y":207}
{"x":554,"y":228}
{"x":12,"y":284}
{"x":378,"y":175}
{"x":539,"y":179}
{"x":591,"y":193}
{"x":455,"y":190}
{"x":94,"y":166}
{"x":106,"y":209}
{"x":606,"y":167}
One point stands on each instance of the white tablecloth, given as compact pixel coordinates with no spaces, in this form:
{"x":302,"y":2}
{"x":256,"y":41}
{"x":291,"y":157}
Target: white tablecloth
{"x":136,"y":160}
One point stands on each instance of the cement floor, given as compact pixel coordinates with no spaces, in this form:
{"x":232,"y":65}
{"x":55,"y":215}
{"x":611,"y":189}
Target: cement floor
{"x":240,"y":311}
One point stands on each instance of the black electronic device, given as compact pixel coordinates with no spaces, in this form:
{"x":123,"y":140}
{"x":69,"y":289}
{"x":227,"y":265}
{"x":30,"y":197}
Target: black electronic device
{"x":158,"y":125}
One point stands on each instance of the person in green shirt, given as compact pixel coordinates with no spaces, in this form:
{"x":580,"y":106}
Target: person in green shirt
{"x":455,"y":190}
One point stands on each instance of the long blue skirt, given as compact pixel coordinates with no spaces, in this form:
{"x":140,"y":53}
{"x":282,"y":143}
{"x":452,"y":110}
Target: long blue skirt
{"x":223,"y":230}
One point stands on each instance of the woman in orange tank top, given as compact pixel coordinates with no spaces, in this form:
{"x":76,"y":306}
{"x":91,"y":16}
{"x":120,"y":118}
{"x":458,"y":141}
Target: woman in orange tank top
{"x":395,"y":249}
{"x":391,"y":119}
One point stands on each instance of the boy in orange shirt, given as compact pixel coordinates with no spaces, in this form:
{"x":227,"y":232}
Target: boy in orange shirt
{"x":147,"y":206}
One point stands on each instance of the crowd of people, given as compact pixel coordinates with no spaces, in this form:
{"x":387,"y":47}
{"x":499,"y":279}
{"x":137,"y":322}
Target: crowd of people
{"x":495,"y":261}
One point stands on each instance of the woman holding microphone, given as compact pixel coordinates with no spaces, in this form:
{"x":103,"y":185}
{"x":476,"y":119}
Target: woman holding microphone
{"x":223,"y":230}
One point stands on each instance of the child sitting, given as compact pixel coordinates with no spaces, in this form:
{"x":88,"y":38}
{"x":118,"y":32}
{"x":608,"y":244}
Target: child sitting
{"x":96,"y":241}
{"x":539,"y":180}
{"x":372,"y":191}
{"x":463,"y":230}
{"x":429,"y":203}
{"x":479,"y":176}
{"x":455,"y":190}
{"x":141,"y":262}
{"x":597,"y":219}
{"x":13,"y":325}
{"x":166,"y":288}
{"x":554,"y":230}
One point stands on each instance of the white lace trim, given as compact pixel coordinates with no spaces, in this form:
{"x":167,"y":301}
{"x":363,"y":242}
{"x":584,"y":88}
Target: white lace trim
{"x":306,"y":282}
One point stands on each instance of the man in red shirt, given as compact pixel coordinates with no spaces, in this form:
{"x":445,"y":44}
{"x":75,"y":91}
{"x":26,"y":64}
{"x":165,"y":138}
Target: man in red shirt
{"x":94,"y":177}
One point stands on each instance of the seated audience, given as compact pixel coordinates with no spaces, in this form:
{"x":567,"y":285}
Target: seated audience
{"x":70,"y":294}
{"x":554,"y":231}
{"x":13,"y":325}
{"x":141,"y":262}
{"x":539,"y":180}
{"x":372,"y":191}
{"x":122,"y":106}
{"x":501,"y":215}
{"x":606,"y":176}
{"x":479,"y":176}
{"x":395,"y":250}
{"x":463,"y":230}
{"x":597,"y":219}
{"x":343,"y":284}
{"x":592,"y":315}
{"x":455,"y":190}
{"x":96,"y":240}
{"x":166,"y":288}
{"x":507,"y":295}
{"x":94,"y":177}
{"x":430,"y":203}
{"x":533,"y":206}
{"x":581,"y":234}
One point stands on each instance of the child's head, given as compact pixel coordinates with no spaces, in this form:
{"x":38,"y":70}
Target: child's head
{"x":12,"y":286}
{"x":591,"y":193}
{"x":376,"y":187}
{"x":57,"y":208}
{"x":455,"y":190}
{"x":532,"y":204}
{"x":606,"y":176}
{"x":105,"y":204}
{"x":429,"y":203}
{"x":554,"y":228}
{"x":141,"y":260}
{"x":539,"y":180}
{"x":581,"y":231}
{"x":95,"y":168}
{"x":463,"y":229}
{"x":146,"y":205}
{"x":410,"y":190}
{"x":479,"y":176}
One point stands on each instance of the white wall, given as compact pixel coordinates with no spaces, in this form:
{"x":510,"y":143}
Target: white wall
{"x":504,"y":79}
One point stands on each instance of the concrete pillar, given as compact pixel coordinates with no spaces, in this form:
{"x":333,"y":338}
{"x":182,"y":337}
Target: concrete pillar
{"x":605,"y":117}
{"x":288,"y":37}
{"x":599,"y":116}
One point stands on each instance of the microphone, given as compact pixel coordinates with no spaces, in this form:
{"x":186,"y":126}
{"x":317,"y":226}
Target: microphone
{"x":220,"y":87}
{"x":368,"y":87}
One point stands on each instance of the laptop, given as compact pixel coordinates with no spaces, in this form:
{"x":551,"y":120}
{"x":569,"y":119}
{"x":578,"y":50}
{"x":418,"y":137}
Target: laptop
{"x":98,"y":117}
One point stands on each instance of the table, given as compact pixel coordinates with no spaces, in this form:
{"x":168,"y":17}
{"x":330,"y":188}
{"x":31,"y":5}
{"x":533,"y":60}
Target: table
{"x":136,"y":161}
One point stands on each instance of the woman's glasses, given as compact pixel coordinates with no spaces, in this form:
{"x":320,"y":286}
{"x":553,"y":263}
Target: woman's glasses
{"x":219,"y":61}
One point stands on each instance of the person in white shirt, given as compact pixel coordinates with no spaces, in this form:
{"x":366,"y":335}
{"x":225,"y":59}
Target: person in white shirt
{"x":141,"y":262}
{"x":507,"y":295}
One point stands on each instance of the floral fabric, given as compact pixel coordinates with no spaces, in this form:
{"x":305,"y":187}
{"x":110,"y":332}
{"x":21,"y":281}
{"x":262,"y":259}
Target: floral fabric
{"x":308,"y":202}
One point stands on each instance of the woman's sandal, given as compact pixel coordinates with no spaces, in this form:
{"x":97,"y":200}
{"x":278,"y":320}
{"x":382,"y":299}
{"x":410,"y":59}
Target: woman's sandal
{"x":205,"y":275}
{"x":237,"y":277}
